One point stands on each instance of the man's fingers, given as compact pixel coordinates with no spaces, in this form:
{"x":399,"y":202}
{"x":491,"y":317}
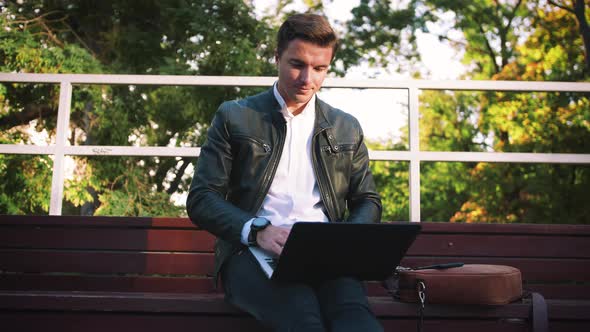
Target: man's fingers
{"x":281,"y":241}
{"x":278,"y":249}
{"x":273,"y":238}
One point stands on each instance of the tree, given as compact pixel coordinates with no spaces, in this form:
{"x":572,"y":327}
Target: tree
{"x":578,"y":8}
{"x":508,"y":40}
{"x":537,"y":122}
{"x":132,"y":37}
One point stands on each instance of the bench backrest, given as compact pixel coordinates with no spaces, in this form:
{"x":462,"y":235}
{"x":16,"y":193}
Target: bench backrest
{"x":172,"y":255}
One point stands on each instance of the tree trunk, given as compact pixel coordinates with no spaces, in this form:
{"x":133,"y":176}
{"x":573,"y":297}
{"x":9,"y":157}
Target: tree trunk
{"x":88,"y":208}
{"x":580,"y":12}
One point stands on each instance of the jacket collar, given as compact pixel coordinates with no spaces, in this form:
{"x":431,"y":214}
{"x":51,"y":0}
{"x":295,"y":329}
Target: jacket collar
{"x":321,"y":110}
{"x":321,"y":118}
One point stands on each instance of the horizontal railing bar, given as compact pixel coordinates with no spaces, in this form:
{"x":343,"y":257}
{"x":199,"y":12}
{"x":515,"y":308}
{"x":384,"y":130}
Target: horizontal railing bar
{"x":475,"y":85}
{"x":140,"y":79}
{"x":102,"y":150}
{"x":26,"y":149}
{"x":504,"y":86}
{"x":164,"y":151}
{"x":501,"y":157}
{"x":160,"y":151}
{"x":459,"y":85}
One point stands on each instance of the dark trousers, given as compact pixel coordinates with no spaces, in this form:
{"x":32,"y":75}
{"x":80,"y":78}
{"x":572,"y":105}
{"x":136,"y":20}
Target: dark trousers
{"x":335,"y":305}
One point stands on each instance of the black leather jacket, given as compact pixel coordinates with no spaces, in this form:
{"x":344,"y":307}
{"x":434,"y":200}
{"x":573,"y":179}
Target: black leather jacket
{"x":238,"y":162}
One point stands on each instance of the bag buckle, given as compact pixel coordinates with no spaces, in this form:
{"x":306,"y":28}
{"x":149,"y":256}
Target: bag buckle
{"x":422,"y":293}
{"x":422,"y":296}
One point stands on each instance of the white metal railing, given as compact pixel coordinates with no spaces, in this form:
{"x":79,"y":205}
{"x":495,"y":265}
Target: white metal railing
{"x":414,"y":155}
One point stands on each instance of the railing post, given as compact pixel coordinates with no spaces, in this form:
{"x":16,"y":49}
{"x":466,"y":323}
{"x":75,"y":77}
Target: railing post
{"x":414,"y":133}
{"x":63,"y":124}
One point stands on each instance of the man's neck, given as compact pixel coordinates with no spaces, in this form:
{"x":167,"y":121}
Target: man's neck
{"x":296,"y":109}
{"x":293,"y":108}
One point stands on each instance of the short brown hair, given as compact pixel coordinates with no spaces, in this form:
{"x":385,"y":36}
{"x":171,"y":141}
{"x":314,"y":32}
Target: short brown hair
{"x":309,"y":27}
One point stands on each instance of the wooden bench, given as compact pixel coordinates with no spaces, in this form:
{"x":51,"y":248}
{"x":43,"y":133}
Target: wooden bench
{"x":69,"y":273}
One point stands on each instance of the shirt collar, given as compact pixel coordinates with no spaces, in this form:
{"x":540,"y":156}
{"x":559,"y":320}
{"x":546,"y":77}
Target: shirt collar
{"x":309,"y":109}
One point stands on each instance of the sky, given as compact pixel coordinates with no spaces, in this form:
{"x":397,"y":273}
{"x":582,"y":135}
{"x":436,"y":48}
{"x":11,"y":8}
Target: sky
{"x":381,"y":112}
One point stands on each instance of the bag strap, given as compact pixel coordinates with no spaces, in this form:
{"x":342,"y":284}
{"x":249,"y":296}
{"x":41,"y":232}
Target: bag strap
{"x":421,"y":289}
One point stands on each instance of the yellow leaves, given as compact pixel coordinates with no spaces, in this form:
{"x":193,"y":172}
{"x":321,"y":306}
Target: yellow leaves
{"x":474,"y":212}
{"x":33,"y":60}
{"x":471,"y":212}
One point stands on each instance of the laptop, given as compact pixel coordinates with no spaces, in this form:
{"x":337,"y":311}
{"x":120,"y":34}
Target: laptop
{"x":317,"y":251}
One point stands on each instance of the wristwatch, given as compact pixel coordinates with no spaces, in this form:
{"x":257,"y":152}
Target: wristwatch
{"x":257,"y":225}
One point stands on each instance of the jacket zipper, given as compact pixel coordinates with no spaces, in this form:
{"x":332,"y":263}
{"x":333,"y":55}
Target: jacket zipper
{"x":275,"y":156}
{"x":323,"y":192}
{"x":265,"y":146}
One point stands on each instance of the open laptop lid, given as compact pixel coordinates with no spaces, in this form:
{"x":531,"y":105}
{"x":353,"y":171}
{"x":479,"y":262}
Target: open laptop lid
{"x":319,"y":251}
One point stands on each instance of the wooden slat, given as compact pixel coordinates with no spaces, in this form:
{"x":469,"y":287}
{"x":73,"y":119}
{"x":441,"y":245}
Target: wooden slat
{"x":501,"y":245}
{"x":561,"y":291}
{"x":427,"y":227}
{"x":108,"y":283}
{"x":107,"y":239}
{"x":515,"y":229}
{"x":455,"y":325}
{"x":92,"y":221}
{"x":201,"y":264}
{"x":106,"y":262}
{"x":116,"y":322}
{"x":204,"y":285}
{"x":118,"y":302}
{"x":196,"y":240}
{"x":532,"y":269}
{"x":215,"y":304}
{"x":503,"y":325}
{"x":113,"y":322}
{"x":550,"y":290}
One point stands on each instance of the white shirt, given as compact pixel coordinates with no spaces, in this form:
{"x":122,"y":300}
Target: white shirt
{"x":294,"y":194}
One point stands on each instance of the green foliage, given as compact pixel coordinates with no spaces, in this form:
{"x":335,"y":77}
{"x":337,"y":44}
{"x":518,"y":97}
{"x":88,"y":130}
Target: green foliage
{"x":376,"y":34}
{"x":209,"y":37}
{"x":25,"y":184}
{"x":135,"y":194}
{"x":392,"y":181}
{"x":504,"y":40}
{"x":449,"y":121}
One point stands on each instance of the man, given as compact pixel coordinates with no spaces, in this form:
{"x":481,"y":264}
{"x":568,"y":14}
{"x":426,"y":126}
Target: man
{"x":277,"y":158}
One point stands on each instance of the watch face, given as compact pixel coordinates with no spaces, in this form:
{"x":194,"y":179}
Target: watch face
{"x":259,"y":222}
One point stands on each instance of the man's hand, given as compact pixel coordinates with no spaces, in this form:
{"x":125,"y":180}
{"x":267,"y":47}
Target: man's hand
{"x":273,"y":238}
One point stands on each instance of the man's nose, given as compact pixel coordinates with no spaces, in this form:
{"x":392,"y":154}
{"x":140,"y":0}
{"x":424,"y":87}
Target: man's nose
{"x":305,"y":75}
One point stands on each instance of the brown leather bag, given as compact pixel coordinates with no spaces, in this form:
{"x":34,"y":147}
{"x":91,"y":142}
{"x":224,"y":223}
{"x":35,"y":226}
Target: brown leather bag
{"x":467,"y":284}
{"x":470,"y":284}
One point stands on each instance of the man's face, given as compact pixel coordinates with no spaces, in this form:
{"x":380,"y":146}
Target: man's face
{"x":302,"y":69}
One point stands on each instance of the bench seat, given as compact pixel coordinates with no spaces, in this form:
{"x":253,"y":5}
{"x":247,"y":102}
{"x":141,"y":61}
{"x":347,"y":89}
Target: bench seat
{"x":95,"y":306}
{"x":65,"y":273}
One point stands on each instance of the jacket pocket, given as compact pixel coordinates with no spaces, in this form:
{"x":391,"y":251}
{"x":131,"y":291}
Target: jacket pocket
{"x":337,"y":150}
{"x":239,"y":140}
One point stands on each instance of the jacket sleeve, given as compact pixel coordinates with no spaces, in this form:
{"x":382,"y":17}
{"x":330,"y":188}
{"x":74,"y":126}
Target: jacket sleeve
{"x":364,"y":202}
{"x":206,"y":203}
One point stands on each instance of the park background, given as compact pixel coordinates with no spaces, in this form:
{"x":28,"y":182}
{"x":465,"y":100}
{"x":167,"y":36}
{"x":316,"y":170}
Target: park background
{"x":490,"y":40}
